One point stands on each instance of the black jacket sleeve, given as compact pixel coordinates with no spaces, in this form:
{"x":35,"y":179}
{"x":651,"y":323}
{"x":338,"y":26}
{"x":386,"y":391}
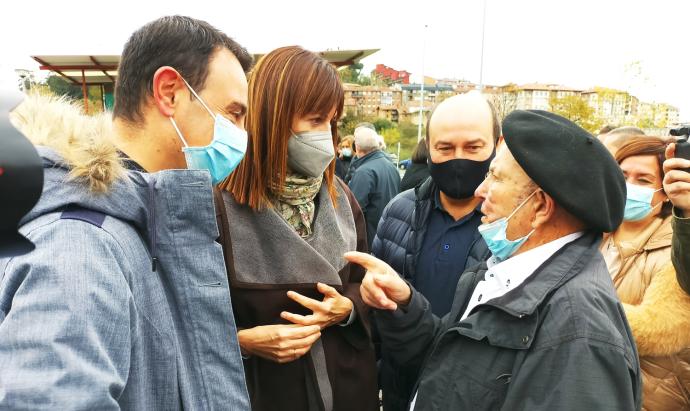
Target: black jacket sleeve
{"x":408,"y":332}
{"x":680,"y":253}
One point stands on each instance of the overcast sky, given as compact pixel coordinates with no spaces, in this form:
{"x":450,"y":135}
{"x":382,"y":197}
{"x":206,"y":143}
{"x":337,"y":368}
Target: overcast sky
{"x":581,"y":43}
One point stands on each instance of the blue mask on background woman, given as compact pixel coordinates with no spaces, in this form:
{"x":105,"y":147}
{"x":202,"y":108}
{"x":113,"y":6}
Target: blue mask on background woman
{"x":638,"y":204}
{"x":224,"y":153}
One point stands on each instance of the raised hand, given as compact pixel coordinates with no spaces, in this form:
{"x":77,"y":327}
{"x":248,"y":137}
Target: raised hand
{"x":677,"y":180}
{"x":382,"y":287}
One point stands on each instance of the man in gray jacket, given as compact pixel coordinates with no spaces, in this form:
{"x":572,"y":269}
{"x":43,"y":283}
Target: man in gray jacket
{"x":124,"y":303}
{"x":539,"y":326}
{"x":374,"y":178}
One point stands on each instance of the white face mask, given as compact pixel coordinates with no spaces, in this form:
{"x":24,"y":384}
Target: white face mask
{"x":310,"y":152}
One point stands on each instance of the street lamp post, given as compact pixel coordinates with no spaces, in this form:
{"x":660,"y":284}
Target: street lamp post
{"x":481,"y":59}
{"x":421,"y":97}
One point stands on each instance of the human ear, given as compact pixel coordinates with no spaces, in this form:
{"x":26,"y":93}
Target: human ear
{"x":544,"y":207}
{"x":167,"y":84}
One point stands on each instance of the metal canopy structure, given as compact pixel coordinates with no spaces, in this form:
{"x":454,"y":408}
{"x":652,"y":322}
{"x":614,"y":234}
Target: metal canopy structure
{"x":339,"y":58}
{"x":82,"y":70}
{"x":101,"y":70}
{"x":346,"y":57}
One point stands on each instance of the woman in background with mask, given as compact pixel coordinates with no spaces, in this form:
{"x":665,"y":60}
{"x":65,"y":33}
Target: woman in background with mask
{"x":638,"y":256}
{"x":345,"y":153}
{"x":303,"y":327}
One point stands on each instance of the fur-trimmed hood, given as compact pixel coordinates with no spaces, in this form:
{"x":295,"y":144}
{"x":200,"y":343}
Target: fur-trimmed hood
{"x":661,"y":327}
{"x":84,"y":143}
{"x":82,"y":168}
{"x":661,"y":324}
{"x":144,"y":291}
{"x":80,"y":161}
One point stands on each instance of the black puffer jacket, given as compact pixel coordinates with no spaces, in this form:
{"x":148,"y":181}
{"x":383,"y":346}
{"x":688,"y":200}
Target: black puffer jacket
{"x":398,"y":242}
{"x":402,"y":228}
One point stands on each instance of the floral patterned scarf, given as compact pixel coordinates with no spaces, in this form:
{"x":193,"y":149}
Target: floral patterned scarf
{"x":295,"y":202}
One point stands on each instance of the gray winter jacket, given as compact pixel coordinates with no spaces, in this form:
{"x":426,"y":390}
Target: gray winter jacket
{"x":124,"y":304}
{"x":560,"y":341}
{"x":374,"y":182}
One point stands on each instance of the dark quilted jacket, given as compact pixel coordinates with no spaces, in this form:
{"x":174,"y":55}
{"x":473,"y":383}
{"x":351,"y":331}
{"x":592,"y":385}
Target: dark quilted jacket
{"x":398,"y":242}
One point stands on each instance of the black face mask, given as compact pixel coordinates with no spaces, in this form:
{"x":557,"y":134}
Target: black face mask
{"x":459,"y":178}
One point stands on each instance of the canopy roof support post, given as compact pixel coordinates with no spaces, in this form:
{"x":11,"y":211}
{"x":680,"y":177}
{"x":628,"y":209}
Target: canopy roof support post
{"x":85,"y":92}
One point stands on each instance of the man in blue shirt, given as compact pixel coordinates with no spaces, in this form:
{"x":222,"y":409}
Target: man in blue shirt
{"x":444,"y":253}
{"x":429,"y":234}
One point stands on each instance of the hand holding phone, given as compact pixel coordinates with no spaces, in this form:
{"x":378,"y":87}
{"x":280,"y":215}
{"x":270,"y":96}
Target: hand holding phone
{"x":677,"y":175}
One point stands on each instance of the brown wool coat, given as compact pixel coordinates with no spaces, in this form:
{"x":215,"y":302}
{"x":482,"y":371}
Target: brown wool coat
{"x":658,"y":312}
{"x":349,"y":353}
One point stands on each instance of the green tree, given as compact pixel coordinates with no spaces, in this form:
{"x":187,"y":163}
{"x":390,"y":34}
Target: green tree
{"x":404,"y":133}
{"x":391,"y":136}
{"x":382,"y":124}
{"x":349,"y":122}
{"x":652,"y":118}
{"x":645,"y":123}
{"x":353,"y":74}
{"x":408,"y":138}
{"x":61,"y":87}
{"x":505,"y":100}
{"x":58,"y":86}
{"x":576,"y":109}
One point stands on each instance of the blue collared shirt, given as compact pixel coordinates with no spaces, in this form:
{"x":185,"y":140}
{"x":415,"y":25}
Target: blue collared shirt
{"x":444,"y":252}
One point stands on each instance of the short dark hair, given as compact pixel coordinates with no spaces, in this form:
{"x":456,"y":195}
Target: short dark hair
{"x":420,"y":153}
{"x":181,"y":42}
{"x":495,"y":122}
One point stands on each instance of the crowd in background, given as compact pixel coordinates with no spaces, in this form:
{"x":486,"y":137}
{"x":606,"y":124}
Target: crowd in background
{"x":215,"y":244}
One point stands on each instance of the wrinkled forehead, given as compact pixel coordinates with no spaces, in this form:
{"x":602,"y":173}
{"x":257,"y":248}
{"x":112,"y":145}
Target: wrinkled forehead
{"x":506,"y":168}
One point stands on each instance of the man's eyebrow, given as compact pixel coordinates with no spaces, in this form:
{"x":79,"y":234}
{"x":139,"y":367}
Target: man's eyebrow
{"x":442,"y":142}
{"x":475,"y":141}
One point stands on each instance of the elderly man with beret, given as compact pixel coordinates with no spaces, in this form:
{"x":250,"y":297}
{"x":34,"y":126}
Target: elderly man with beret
{"x":539,"y":325}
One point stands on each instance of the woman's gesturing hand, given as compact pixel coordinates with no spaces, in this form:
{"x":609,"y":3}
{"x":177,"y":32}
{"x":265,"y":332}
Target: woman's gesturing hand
{"x":333,"y":309}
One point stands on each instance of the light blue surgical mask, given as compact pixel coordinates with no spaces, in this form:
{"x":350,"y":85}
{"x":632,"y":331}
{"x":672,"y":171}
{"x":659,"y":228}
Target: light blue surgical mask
{"x":638,"y":204}
{"x":224,"y":153}
{"x":494,"y":235}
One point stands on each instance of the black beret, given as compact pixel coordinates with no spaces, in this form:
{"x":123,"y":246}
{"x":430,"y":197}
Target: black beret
{"x":569,"y":164}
